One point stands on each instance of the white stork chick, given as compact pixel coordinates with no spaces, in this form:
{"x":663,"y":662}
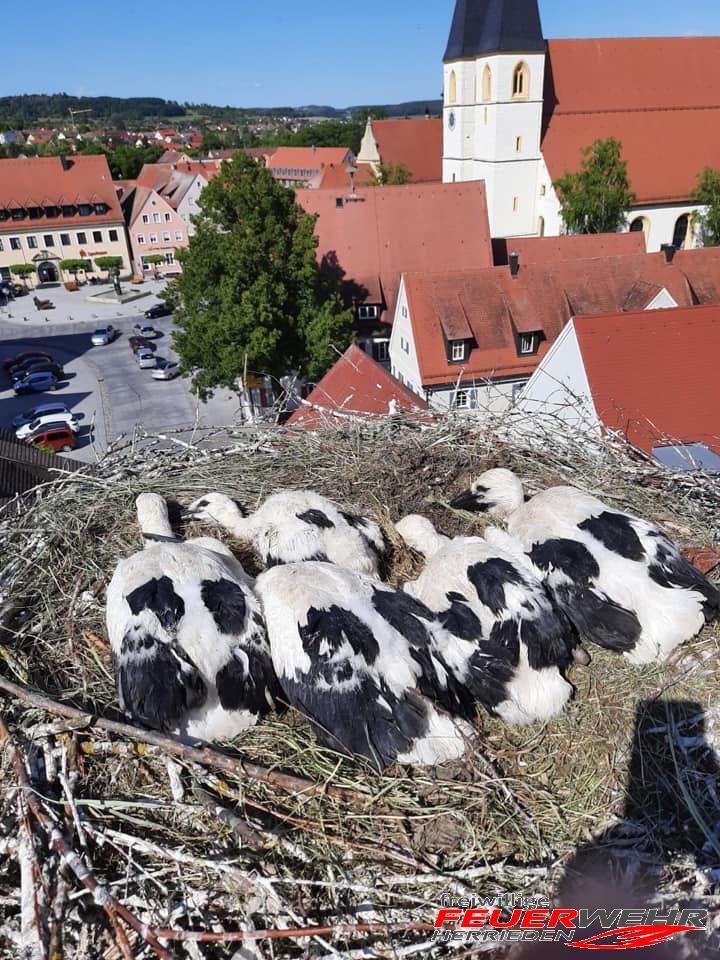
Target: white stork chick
{"x":296,"y":525}
{"x":620,"y":580}
{"x":355,"y":658}
{"x":493,"y":599}
{"x":188,"y":640}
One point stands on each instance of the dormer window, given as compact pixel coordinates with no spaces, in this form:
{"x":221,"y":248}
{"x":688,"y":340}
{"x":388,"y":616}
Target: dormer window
{"x":17,"y":213}
{"x":458,"y":350}
{"x":367,"y":313}
{"x":100,"y":209}
{"x":84,"y":209}
{"x":528,"y":343}
{"x":68,"y":210}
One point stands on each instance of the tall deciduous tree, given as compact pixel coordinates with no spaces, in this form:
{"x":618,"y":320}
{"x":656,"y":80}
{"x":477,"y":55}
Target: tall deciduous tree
{"x":598,"y":198}
{"x":707,"y":194}
{"x":251,"y":295}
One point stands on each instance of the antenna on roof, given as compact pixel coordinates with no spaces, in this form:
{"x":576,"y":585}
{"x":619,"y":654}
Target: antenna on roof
{"x":514,"y":261}
{"x":351,"y":173}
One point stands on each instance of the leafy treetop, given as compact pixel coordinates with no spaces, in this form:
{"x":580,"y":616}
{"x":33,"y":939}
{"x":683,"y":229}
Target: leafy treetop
{"x":598,"y":198}
{"x":707,"y":194}
{"x":251,"y":295}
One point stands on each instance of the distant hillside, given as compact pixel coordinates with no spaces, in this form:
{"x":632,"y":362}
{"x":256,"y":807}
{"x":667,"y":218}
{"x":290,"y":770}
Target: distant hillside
{"x":29,"y":110}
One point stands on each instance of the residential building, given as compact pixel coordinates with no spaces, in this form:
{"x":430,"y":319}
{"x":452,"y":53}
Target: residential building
{"x":11,"y":136}
{"x":356,"y":387}
{"x":417,"y":144}
{"x":297,"y":166}
{"x":518,"y":112}
{"x":154,"y":227}
{"x":472,"y":340}
{"x":180,"y":184}
{"x":371,"y":239}
{"x":647,"y":377}
{"x":59,"y":208}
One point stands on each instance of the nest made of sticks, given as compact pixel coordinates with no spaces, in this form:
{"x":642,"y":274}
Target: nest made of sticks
{"x":233,"y":842}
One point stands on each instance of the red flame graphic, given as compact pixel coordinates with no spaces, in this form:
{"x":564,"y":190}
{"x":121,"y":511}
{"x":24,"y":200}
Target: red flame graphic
{"x":632,"y":938}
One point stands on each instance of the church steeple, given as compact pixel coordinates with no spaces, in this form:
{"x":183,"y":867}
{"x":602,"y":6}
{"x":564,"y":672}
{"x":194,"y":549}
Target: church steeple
{"x":480,"y":27}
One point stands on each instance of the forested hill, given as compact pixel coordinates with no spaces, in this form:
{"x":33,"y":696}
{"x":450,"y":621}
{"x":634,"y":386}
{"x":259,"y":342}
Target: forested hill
{"x":28,"y":110}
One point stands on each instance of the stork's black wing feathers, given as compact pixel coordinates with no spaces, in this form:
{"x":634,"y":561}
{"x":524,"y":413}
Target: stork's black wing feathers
{"x":248,"y":681}
{"x":159,"y":597}
{"x":157,"y":682}
{"x":316,"y":518}
{"x":226,"y":601}
{"x":669,"y":568}
{"x":490,"y":579}
{"x":616,"y":532}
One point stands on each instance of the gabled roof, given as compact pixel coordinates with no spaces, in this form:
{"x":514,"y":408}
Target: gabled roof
{"x":416,"y":143}
{"x":356,"y":386}
{"x":653,"y":375}
{"x":660,"y":97}
{"x":544,"y":297}
{"x":307,"y":158}
{"x":336,"y":177}
{"x":388,"y":231}
{"x":579,"y":247}
{"x":37,"y":181}
{"x":494,"y":26}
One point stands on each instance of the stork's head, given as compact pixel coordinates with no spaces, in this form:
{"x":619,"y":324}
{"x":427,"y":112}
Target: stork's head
{"x":497,"y":492}
{"x":153,"y":519}
{"x":419,"y":534}
{"x":214,"y":508}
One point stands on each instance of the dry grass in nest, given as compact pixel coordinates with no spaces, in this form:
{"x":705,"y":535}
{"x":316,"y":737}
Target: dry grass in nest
{"x":506,"y":820}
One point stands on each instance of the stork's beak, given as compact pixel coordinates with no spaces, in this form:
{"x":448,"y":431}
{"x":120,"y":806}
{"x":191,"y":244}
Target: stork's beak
{"x":187,"y":515}
{"x":468,"y":501}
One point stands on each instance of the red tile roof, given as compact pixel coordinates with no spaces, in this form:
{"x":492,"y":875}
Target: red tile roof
{"x":580,"y":247}
{"x":653,"y":375}
{"x":356,"y":386}
{"x":306,"y":158}
{"x":392,"y":230}
{"x":43,"y":182}
{"x":543,"y":297}
{"x":659,"y":97}
{"x":416,"y":143}
{"x":335,"y":177}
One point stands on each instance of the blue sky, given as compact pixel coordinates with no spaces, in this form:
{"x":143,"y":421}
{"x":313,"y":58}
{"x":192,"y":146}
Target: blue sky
{"x":250,"y":53}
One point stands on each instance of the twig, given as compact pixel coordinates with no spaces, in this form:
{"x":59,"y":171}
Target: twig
{"x":69,"y":857}
{"x":340,"y":930}
{"x":203,"y":755}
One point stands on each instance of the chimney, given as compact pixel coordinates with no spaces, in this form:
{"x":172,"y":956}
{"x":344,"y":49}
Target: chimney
{"x":669,"y":249}
{"x":514,"y":261}
{"x":66,"y":162}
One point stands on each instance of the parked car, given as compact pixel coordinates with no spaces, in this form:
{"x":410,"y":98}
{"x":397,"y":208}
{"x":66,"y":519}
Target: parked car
{"x":27,"y":416}
{"x":137,"y":343}
{"x":21,"y":368}
{"x":157,"y":310}
{"x":147,"y":330}
{"x":40,"y":424}
{"x":59,"y":436}
{"x":145,"y":358}
{"x":104,"y":335}
{"x":41,"y":366}
{"x":21,"y":358}
{"x":168,"y":371}
{"x":36,"y":383}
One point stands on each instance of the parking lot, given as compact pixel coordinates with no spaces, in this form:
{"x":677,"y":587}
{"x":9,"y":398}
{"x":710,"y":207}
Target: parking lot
{"x":104,"y":385}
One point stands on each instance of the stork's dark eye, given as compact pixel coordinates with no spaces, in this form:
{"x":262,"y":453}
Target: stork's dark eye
{"x":203,"y":504}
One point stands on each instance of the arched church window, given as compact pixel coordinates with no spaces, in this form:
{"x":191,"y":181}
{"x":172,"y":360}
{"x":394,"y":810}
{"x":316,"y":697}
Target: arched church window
{"x":682,"y":229}
{"x":452,"y":88}
{"x":641,"y":225}
{"x":521,"y":82}
{"x":487,"y":84}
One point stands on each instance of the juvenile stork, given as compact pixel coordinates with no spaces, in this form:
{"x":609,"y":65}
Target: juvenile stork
{"x":490,"y":595}
{"x":620,"y":579}
{"x":188,"y":640}
{"x":296,"y":525}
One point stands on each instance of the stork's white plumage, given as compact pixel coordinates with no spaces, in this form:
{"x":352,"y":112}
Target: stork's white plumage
{"x":491,"y":597}
{"x":356,"y":658}
{"x":620,"y":579}
{"x":187,"y":635}
{"x":296,"y":525}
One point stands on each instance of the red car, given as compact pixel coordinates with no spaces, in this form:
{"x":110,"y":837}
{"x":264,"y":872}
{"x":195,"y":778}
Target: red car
{"x":58,"y":436}
{"x":137,"y":342}
{"x":22,"y":357}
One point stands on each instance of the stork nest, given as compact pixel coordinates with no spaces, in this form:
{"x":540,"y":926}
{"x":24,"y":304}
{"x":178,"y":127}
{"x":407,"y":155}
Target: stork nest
{"x":629,"y":768}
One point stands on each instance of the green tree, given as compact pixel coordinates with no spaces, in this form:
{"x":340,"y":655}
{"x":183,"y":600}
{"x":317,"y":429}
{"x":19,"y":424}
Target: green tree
{"x":154,"y":259}
{"x":22,"y":270}
{"x":73,"y":266}
{"x":707,"y":194}
{"x":126,"y":161}
{"x":108,"y":263}
{"x":393,"y":174}
{"x":598,"y":198}
{"x":251,"y":295}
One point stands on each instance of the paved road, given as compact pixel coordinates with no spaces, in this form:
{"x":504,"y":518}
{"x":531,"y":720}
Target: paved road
{"x":106,"y":386}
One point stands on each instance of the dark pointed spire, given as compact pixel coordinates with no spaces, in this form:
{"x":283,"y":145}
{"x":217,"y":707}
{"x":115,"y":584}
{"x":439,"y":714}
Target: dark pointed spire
{"x":494,"y":26}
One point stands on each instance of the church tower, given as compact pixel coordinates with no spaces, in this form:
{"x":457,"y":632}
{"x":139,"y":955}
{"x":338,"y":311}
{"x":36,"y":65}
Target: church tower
{"x":494,"y":74}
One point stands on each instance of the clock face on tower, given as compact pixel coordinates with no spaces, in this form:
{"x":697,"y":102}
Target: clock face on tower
{"x":451,"y":119}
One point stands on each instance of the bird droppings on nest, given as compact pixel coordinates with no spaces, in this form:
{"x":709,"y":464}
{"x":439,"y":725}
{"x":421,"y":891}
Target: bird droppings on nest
{"x":297,"y":836}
